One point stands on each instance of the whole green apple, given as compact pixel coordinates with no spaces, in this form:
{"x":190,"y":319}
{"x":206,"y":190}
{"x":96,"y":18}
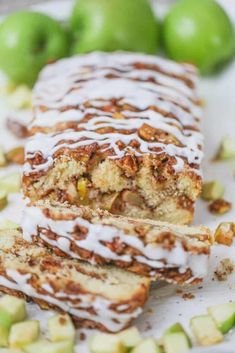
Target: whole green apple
{"x":110,"y":25}
{"x":200,"y":32}
{"x":29,"y":40}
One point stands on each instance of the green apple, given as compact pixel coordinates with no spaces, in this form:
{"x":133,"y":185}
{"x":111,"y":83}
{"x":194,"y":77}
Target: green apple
{"x":176,"y":342}
{"x":130,"y":337}
{"x":61,"y":328}
{"x":29,"y":40}
{"x":5,"y":325}
{"x":199,"y":32}
{"x":23,"y":333}
{"x":14,"y":306}
{"x":177,"y":328}
{"x":44,"y":346}
{"x":223,"y":315}
{"x":205,"y":330}
{"x":106,"y":343}
{"x":110,"y":25}
{"x":147,"y":345}
{"x":10,"y":183}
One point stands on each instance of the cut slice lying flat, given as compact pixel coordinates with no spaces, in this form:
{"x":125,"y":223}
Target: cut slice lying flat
{"x":100,"y":297}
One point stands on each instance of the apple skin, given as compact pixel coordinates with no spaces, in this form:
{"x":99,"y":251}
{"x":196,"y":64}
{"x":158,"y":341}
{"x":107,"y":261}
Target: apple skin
{"x":111,"y":25}
{"x":199,"y":32}
{"x":29,"y":40}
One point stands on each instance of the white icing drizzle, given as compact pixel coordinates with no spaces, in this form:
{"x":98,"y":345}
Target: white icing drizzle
{"x":152,"y":254}
{"x":112,"y":320}
{"x":136,"y":93}
{"x":122,"y":61}
{"x":48,"y":144}
{"x":72,"y":82}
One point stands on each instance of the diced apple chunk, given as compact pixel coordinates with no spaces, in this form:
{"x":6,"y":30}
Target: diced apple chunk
{"x":5,"y":325}
{"x":106,"y":343}
{"x":223,"y":315}
{"x":227,"y":149}
{"x":176,"y":342}
{"x":50,"y":347}
{"x":14,"y":306}
{"x":176,"y":328}
{"x":205,"y":330}
{"x":10,"y":183}
{"x":21,"y":97}
{"x":212,"y":190}
{"x":147,"y":345}
{"x":130,"y":337}
{"x":8,"y":224}
{"x":23,"y":333}
{"x":8,"y":88}
{"x":61,"y":328}
{"x":82,"y":188}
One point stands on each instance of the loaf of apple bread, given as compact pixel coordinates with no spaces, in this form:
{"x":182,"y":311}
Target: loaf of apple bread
{"x":117,"y":131}
{"x":159,"y":250}
{"x":96,"y":297}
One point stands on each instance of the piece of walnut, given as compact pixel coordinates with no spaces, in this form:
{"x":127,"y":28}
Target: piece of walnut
{"x":18,"y":128}
{"x":224,"y":233}
{"x":220,"y":206}
{"x":224,"y":269}
{"x":16,"y":155}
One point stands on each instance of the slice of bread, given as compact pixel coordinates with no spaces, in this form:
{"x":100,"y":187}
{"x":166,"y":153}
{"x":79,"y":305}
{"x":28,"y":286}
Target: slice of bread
{"x":117,"y":131}
{"x":159,"y":250}
{"x":96,"y":297}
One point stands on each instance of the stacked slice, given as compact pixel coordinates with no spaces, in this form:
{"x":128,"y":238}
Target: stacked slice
{"x":155,"y":249}
{"x":111,"y":132}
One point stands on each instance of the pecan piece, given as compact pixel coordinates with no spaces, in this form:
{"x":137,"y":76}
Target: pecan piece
{"x":16,"y":155}
{"x":220,"y":206}
{"x":129,"y":165}
{"x":224,"y":233}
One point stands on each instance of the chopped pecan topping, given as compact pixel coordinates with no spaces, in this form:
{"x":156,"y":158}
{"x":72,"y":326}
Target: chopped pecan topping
{"x":50,"y":263}
{"x":142,"y":230}
{"x":150,"y":133}
{"x":167,"y":239}
{"x":129,"y":165}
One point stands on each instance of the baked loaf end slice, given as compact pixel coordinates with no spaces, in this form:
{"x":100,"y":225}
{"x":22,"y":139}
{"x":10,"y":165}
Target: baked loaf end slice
{"x":117,"y":131}
{"x":96,"y":297}
{"x":156,"y":249}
